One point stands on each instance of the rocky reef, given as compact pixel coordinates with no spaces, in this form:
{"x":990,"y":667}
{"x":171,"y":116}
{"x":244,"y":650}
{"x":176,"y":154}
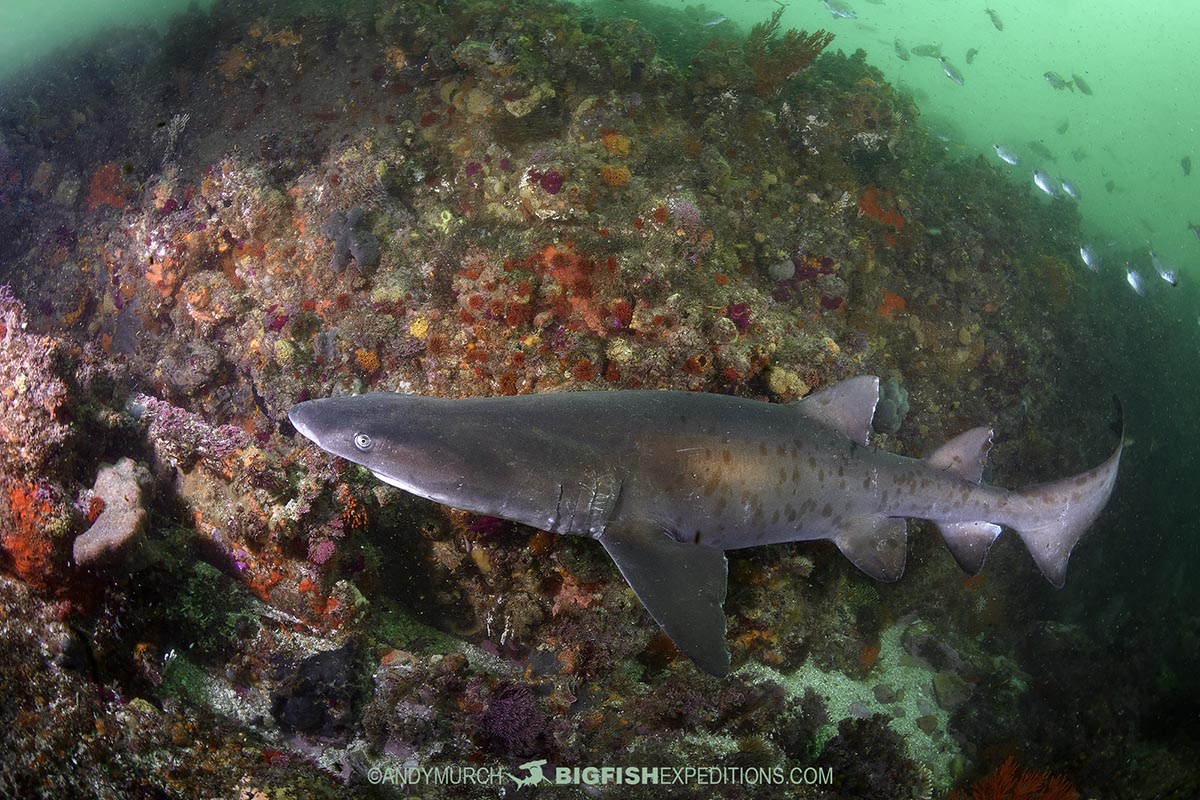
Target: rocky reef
{"x":276,"y":202}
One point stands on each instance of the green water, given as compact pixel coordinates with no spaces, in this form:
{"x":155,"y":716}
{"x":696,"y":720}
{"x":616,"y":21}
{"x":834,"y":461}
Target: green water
{"x":34,"y":29}
{"x":1140,"y":121}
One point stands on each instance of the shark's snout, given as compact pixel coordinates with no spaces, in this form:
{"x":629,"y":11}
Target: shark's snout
{"x":302,"y":416}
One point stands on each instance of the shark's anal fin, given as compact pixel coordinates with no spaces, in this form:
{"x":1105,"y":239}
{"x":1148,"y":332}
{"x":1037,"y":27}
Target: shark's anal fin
{"x":682,"y":585}
{"x":876,"y":545}
{"x":969,"y":542}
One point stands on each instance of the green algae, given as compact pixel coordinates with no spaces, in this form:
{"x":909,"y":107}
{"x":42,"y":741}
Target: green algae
{"x":185,"y":681}
{"x":211,"y":611}
{"x":392,"y":626}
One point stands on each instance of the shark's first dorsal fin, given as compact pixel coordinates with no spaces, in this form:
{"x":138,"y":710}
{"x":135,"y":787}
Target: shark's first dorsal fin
{"x":682,"y":585}
{"x":848,"y":406}
{"x":965,"y":455}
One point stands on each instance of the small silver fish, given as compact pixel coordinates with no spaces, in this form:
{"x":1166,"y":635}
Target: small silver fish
{"x":1006,"y":154}
{"x":1090,"y":259}
{"x":1056,"y":80}
{"x":928,"y":50}
{"x":974,"y":51}
{"x":1069,"y":188}
{"x":1164,"y":271}
{"x":901,"y":50}
{"x":1135,"y":280}
{"x":839,"y":9}
{"x":1081,"y":84}
{"x":995,"y":18}
{"x":1045,"y":183}
{"x":714,"y":22}
{"x":950,"y":71}
{"x":1194,"y":228}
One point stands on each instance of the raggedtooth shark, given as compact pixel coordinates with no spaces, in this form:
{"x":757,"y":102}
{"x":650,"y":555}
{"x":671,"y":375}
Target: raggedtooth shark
{"x":668,"y":481}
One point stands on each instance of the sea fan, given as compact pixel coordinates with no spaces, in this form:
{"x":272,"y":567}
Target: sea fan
{"x":774,"y":59}
{"x":1011,"y":782}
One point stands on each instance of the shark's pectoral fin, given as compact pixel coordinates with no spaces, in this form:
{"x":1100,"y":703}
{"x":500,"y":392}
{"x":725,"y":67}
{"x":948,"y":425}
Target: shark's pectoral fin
{"x":682,"y":585}
{"x":876,"y":545}
{"x":969,"y":542}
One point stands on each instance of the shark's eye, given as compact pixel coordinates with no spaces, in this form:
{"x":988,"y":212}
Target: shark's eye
{"x":362,"y":441}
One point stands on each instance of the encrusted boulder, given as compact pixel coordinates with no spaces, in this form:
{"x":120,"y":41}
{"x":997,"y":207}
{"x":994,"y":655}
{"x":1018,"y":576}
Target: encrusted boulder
{"x":117,"y":531}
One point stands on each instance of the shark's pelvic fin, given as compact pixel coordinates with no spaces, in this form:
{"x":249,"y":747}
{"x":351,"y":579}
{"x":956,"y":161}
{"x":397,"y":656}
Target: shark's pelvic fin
{"x":848,"y":406}
{"x":681,"y":585}
{"x":965,"y":455}
{"x":876,"y":545}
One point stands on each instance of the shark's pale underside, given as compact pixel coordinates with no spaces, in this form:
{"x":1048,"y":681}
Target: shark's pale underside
{"x":668,"y":481}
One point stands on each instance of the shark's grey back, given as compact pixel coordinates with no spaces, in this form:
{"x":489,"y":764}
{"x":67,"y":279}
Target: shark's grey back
{"x":667,"y":481}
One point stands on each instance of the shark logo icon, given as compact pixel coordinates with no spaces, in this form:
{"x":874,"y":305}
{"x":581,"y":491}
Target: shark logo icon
{"x":536,"y":776}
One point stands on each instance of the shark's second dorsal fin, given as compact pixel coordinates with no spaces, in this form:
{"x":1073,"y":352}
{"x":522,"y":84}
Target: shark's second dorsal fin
{"x":964,"y":455}
{"x":682,"y":585}
{"x":848,"y":406}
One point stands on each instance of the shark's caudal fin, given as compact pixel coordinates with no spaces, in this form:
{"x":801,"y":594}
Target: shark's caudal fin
{"x":1052,"y":517}
{"x":1060,"y":512}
